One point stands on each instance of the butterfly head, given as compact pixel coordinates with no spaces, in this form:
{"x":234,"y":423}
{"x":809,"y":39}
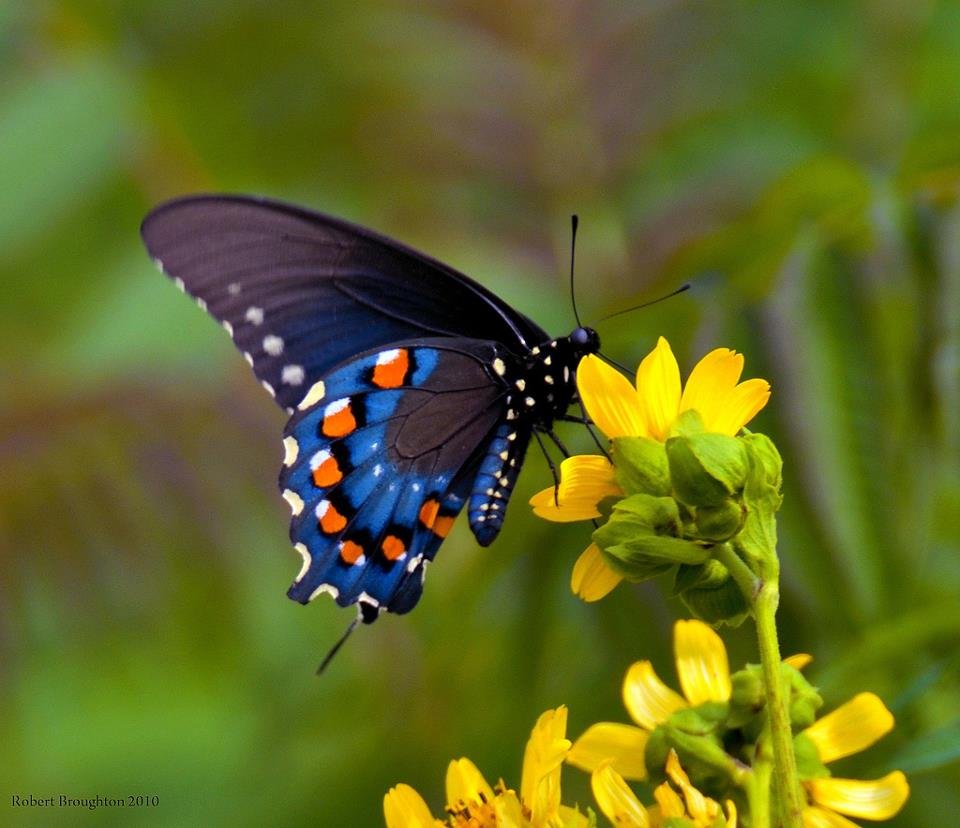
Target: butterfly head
{"x":585,"y":341}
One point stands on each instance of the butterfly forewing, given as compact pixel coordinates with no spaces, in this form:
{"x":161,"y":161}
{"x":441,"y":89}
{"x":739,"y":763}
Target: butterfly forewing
{"x":300,"y":292}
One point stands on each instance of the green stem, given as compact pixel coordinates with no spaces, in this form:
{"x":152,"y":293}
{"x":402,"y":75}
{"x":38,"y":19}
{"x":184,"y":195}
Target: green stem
{"x":757,"y":789}
{"x":763,"y":595}
{"x":781,"y":736}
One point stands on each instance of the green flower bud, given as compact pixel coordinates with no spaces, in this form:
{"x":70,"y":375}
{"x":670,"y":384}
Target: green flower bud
{"x":640,"y":465}
{"x":706,"y":469}
{"x":720,"y":523}
{"x":809,"y":765}
{"x":640,"y":539}
{"x":711,"y":594}
{"x":747,"y":697}
{"x":805,"y":701}
{"x":757,"y":540}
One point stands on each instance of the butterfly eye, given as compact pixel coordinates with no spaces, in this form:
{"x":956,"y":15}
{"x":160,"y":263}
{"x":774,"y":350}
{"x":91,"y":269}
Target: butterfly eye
{"x":585,"y":339}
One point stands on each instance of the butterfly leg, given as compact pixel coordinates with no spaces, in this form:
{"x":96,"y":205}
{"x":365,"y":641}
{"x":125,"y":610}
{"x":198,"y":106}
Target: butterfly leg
{"x":552,"y":465}
{"x":584,"y":420}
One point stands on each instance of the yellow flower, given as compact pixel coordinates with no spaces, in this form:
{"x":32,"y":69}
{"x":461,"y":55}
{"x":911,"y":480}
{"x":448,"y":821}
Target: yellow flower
{"x":651,"y":409}
{"x":471,"y":801}
{"x":850,"y":728}
{"x":704,"y":675}
{"x":676,"y":798}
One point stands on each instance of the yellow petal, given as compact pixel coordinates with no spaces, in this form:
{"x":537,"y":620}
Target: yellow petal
{"x":710,"y":382}
{"x":542,"y":759}
{"x":819,"y":818}
{"x":619,"y":745}
{"x":671,"y":805}
{"x":466,"y":784}
{"x":648,"y":700}
{"x":700,"y":807}
{"x":585,"y":480}
{"x":850,"y":728}
{"x":658,"y":389}
{"x":875,"y":799}
{"x":701,"y":662}
{"x":739,"y":407}
{"x":572,"y":818}
{"x":592,"y":579}
{"x":731,"y":813}
{"x":614,"y":797}
{"x":798,"y":660}
{"x":609,"y":398}
{"x":509,"y":810}
{"x":403,"y":807}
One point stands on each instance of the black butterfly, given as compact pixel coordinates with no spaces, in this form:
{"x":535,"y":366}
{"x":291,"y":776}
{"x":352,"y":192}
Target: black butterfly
{"x":412,"y":390}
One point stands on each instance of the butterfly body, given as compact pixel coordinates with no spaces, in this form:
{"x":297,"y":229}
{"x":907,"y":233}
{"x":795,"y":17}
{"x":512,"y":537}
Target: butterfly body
{"x":413,"y":392}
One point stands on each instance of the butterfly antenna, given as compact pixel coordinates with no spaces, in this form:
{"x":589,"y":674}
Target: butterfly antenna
{"x":336,"y":647}
{"x":574,"y":223}
{"x":681,"y":289}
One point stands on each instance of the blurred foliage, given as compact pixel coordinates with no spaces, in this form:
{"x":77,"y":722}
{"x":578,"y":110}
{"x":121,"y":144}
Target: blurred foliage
{"x":799,"y":162}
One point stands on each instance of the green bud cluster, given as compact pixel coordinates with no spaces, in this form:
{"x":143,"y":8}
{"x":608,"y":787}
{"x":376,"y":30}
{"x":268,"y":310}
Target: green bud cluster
{"x":715,"y":741}
{"x":691,"y":503}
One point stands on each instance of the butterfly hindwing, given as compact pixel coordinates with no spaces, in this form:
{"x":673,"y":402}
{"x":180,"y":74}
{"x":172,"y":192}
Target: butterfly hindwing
{"x":300,"y":292}
{"x":381,"y":456}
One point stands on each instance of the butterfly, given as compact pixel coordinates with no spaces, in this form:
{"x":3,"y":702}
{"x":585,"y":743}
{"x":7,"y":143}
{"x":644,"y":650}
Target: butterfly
{"x":412,"y":391}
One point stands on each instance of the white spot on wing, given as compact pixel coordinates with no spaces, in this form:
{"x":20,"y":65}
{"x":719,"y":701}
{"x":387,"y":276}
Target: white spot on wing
{"x":273,"y":345}
{"x":179,"y":283}
{"x":248,"y":358}
{"x":201,"y":304}
{"x":295,"y":501}
{"x":268,"y":388}
{"x":313,"y":396}
{"x":159,"y":264}
{"x":416,"y":487}
{"x":547,"y":360}
{"x":386,"y":357}
{"x":319,"y":459}
{"x":529,"y":401}
{"x":377,"y":470}
{"x":254,"y":315}
{"x":368,"y":599}
{"x":521,"y":384}
{"x":291,"y":448}
{"x":548,"y":379}
{"x":227,"y":327}
{"x":321,"y":509}
{"x":330,"y":589}
{"x":499,"y":367}
{"x":336,"y":406}
{"x":566,"y":374}
{"x":305,"y":554}
{"x":233,"y":288}
{"x":292,"y":374}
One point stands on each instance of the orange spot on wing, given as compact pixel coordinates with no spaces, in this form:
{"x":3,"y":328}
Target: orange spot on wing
{"x":340,"y":423}
{"x":351,"y":552}
{"x":393,"y":547}
{"x":332,"y":521}
{"x":327,"y":473}
{"x":442,"y":525}
{"x":392,"y":374}
{"x":428,"y":512}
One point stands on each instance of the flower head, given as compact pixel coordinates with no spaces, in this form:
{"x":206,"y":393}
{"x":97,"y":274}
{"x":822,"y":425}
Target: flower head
{"x":639,"y":420}
{"x":473,"y":802}
{"x":849,"y":729}
{"x":652,"y":408}
{"x":704,"y":672}
{"x":676,"y":798}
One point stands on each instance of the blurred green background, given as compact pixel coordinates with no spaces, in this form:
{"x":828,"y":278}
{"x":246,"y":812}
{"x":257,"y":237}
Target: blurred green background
{"x":798,"y":161}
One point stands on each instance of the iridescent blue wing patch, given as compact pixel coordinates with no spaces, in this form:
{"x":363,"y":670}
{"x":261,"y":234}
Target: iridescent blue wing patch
{"x":381,"y":456}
